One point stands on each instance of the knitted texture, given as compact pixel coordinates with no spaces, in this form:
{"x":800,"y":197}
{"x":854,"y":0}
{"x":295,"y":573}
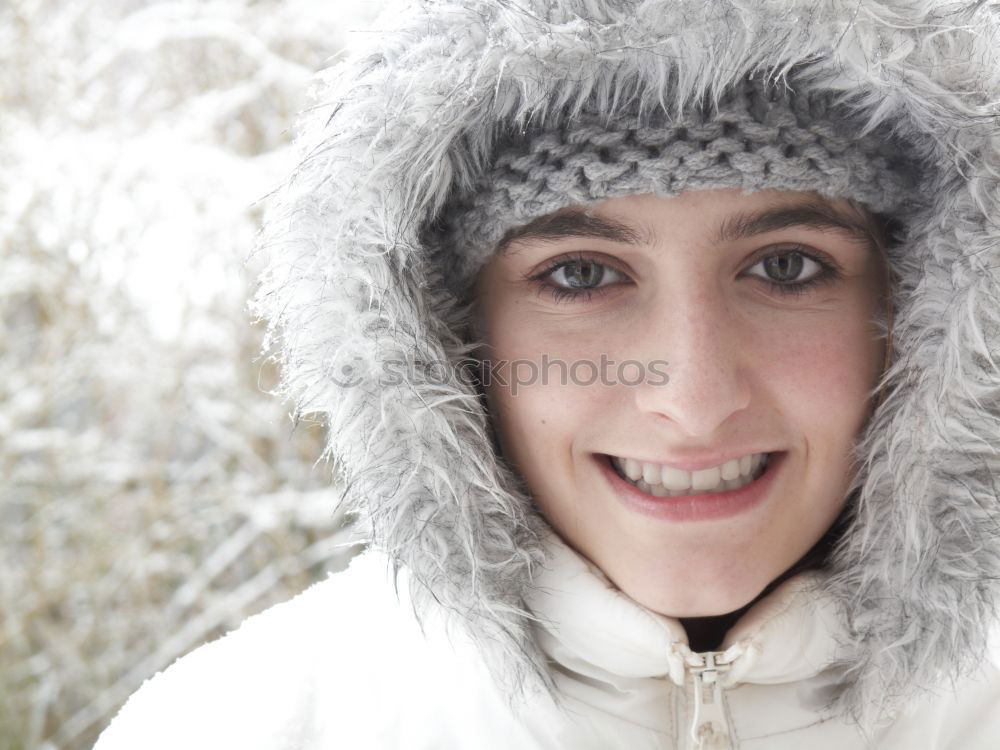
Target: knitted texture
{"x":759,"y":138}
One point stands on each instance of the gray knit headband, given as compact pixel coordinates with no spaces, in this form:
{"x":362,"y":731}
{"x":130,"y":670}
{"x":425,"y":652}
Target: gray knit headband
{"x":757,"y":139}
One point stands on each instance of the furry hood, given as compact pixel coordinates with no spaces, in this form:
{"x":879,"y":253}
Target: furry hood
{"x":364,"y":329}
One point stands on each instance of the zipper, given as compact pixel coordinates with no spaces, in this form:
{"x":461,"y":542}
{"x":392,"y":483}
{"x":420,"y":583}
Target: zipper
{"x":710,"y":728}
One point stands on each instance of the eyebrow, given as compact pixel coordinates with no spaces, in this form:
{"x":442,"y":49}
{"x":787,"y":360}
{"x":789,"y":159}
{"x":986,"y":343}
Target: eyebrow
{"x":813,"y":215}
{"x":574,"y":221}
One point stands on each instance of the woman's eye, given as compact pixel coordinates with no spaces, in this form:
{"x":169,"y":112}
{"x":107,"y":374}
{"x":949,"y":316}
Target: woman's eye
{"x":577,"y":277}
{"x":793,"y":271}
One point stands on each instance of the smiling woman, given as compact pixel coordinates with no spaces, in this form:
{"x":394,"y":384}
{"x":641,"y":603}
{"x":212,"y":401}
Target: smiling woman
{"x":765,"y":306}
{"x":703,"y":493}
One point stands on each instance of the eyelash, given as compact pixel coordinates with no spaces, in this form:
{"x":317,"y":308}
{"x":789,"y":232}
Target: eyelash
{"x":828,"y":273}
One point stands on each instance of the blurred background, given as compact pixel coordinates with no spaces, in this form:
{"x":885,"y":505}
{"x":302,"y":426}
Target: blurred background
{"x":152,"y":493}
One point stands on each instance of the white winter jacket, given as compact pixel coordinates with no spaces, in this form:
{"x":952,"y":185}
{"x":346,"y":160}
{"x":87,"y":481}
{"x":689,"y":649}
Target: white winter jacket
{"x":345,"y":665}
{"x":524,"y":644}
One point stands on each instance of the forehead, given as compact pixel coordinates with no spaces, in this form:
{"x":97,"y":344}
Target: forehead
{"x":730,"y":216}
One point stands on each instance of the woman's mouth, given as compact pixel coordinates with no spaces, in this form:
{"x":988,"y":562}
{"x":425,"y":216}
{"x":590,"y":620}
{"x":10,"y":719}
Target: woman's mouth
{"x":692,"y":496}
{"x":664,"y":481}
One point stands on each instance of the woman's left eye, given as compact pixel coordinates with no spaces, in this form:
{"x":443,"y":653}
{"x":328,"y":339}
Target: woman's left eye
{"x":788,"y":265}
{"x":576,"y":277}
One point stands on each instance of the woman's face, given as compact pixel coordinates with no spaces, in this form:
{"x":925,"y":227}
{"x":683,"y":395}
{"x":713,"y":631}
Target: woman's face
{"x":737,"y":343}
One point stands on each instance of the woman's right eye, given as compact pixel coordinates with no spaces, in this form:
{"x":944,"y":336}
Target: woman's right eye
{"x":576,"y":277}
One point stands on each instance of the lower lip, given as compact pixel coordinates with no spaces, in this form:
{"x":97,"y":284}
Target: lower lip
{"x":712,"y":506}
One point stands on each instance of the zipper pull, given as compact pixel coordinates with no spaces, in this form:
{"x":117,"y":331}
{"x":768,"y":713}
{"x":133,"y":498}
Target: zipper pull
{"x":710,"y":728}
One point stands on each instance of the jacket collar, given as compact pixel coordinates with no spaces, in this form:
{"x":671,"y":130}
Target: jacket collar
{"x":589,"y":626}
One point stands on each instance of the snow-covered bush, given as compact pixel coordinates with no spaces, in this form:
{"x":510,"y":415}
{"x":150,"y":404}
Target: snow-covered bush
{"x":152,"y":493}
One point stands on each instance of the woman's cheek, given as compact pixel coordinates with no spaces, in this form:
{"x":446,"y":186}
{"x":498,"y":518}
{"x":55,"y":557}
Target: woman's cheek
{"x":822,"y":370}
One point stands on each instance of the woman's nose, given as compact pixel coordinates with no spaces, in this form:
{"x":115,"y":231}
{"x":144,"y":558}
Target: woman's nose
{"x":704,"y":347}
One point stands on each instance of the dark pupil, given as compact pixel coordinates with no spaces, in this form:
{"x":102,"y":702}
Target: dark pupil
{"x":590,"y":275}
{"x":788,"y":266}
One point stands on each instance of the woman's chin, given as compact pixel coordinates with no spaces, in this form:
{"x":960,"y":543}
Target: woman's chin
{"x":677,"y":594}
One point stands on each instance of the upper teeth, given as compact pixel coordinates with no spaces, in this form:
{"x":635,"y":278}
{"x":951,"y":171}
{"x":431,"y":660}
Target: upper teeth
{"x":679,"y":479}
